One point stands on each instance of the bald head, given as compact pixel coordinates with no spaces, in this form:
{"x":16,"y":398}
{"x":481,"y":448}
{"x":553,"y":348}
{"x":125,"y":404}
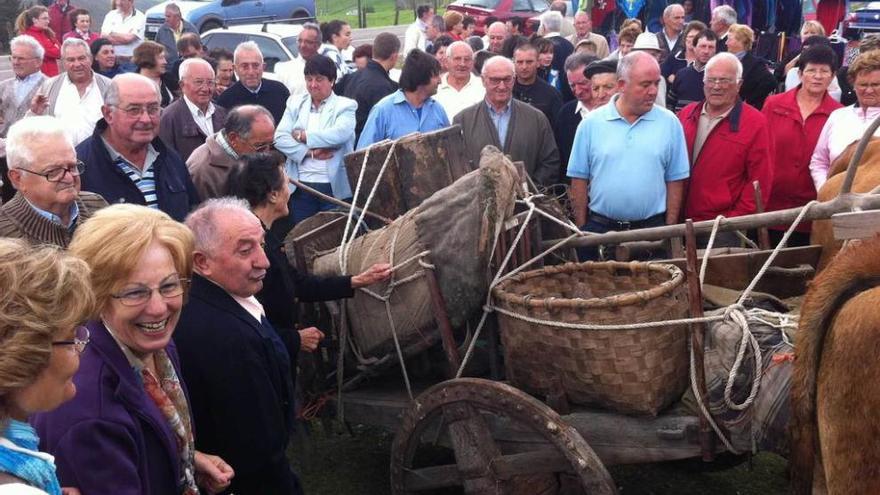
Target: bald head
{"x":497,"y":33}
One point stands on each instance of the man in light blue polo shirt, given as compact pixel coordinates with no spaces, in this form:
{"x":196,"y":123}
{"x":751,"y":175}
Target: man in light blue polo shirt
{"x":410,"y":108}
{"x":629,"y":158}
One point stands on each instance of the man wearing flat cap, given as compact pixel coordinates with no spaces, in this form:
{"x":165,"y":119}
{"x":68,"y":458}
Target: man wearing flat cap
{"x":603,"y":78}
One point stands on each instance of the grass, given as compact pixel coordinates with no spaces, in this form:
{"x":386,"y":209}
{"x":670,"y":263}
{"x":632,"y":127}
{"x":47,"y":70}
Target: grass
{"x":340,"y":463}
{"x":378,"y":12}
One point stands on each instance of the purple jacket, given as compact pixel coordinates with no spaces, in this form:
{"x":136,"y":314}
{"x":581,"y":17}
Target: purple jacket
{"x":111,"y":438}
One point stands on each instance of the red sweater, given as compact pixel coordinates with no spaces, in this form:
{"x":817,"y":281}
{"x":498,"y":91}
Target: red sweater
{"x":736,"y":153}
{"x":52,"y":48}
{"x":794,"y":141}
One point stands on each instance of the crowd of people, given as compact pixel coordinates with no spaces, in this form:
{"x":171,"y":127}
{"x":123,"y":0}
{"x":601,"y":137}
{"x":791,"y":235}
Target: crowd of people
{"x":146,"y":302}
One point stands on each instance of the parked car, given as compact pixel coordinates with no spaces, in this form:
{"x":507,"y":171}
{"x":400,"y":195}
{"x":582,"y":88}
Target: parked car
{"x":206,"y":15}
{"x":502,"y":9}
{"x":863,"y":17}
{"x":277,"y":41}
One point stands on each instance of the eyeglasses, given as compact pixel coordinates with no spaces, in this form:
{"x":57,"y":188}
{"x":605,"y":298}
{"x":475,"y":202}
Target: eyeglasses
{"x":495,"y":81}
{"x":202,"y":83}
{"x":79,"y":342}
{"x":56,"y":174}
{"x":260,"y":147}
{"x":718,"y":81}
{"x":136,"y":111}
{"x":172,"y":286}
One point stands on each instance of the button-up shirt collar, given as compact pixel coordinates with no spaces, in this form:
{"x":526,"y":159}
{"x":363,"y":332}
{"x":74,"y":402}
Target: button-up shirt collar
{"x":24,"y":85}
{"x":581,"y":110}
{"x":202,"y":119}
{"x":501,"y":120}
{"x":48,"y":215}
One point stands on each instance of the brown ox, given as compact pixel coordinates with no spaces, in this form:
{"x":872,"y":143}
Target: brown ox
{"x":835,"y":395}
{"x":867,"y":178}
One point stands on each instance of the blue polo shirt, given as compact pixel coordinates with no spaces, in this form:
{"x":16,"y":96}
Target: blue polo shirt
{"x":628,"y":165}
{"x":394,"y":117}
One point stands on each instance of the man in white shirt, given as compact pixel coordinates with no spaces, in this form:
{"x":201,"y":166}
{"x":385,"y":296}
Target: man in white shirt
{"x":459,"y":88}
{"x":187,"y":122}
{"x":76,"y":95}
{"x":415,"y":33}
{"x":290,"y":73}
{"x":124,"y":27}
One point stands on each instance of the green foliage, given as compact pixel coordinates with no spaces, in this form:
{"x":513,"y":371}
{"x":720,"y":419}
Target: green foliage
{"x":9,"y":10}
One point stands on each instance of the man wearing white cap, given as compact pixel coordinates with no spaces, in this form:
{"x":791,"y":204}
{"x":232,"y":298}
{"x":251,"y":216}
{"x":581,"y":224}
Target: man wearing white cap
{"x":647,"y":42}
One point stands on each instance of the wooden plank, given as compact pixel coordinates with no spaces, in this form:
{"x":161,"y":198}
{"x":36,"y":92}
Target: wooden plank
{"x":856,"y":224}
{"x":475,"y":449}
{"x":505,"y":467}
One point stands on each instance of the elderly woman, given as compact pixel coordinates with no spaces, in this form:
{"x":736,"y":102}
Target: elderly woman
{"x":149,"y":57}
{"x":131,"y":417}
{"x":316,"y":132}
{"x":48,"y":205}
{"x":793,"y":78}
{"x":34,"y":22}
{"x":757,"y":81}
{"x":846,"y":125}
{"x":795,"y":119}
{"x":336,"y":36}
{"x":81,"y":21}
{"x":44,"y":298}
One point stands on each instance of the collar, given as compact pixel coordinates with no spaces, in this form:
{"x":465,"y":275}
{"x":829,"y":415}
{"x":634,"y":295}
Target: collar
{"x":552,"y":34}
{"x":326,"y":100}
{"x":733,"y":114}
{"x":694,"y":65}
{"x":74,"y":213}
{"x":135,"y":362}
{"x":611,"y":112}
{"x":198,"y":111}
{"x":492,"y":110}
{"x":398,"y":98}
{"x":421,"y":25}
{"x":151,"y":156}
{"x":224,"y":143}
{"x":250,"y":304}
{"x":253,"y":91}
{"x":580,"y":106}
{"x":29,"y":78}
{"x":741,"y":55}
{"x":444,"y":81}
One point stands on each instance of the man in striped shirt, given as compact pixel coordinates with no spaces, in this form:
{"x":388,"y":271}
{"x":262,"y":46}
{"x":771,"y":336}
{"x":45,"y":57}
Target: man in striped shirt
{"x":126,"y":162}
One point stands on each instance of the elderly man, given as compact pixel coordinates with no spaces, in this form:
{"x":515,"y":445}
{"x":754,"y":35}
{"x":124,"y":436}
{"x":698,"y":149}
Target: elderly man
{"x":44,"y":170}
{"x":248,"y":129}
{"x":670,"y":39}
{"x":16,"y":94}
{"x":723,"y":17}
{"x":571,"y":114}
{"x":514,"y":127}
{"x":187,"y":122}
{"x":567,"y":28}
{"x":290,"y":73}
{"x":411,"y":108}
{"x":495,"y":36}
{"x":235,"y":363}
{"x":372,"y":83}
{"x":687,"y":87}
{"x":531,"y":89}
{"x":729,"y":146}
{"x":75,"y":96}
{"x":603,"y":79}
{"x":415,"y":33}
{"x":630,"y":155}
{"x":252,"y":88}
{"x":583,"y":30}
{"x":127,"y":161}
{"x":124,"y":27}
{"x":459,"y":88}
{"x":170,"y":32}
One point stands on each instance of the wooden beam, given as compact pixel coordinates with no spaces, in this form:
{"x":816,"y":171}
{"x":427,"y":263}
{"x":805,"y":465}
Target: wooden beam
{"x":505,"y":467}
{"x":856,"y":224}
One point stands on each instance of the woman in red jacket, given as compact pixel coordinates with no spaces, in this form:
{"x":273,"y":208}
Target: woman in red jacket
{"x":34,"y":22}
{"x":795,"y":120}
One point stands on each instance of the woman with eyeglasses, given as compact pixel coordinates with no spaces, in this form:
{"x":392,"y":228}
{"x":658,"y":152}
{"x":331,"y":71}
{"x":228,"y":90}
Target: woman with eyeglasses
{"x":846,"y":125}
{"x":795,"y":119}
{"x":129,"y":430}
{"x":44,"y":298}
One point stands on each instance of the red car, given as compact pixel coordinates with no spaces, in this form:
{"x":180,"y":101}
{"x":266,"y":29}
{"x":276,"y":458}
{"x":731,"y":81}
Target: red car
{"x":502,"y":9}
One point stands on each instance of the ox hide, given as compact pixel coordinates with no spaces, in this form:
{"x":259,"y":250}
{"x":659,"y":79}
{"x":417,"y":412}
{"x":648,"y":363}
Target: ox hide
{"x":835,"y":397}
{"x":867,"y":178}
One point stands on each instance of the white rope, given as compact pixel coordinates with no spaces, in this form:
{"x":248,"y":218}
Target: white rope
{"x":705,"y":263}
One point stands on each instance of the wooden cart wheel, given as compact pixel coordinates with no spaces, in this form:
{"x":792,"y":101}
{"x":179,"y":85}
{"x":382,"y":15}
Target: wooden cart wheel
{"x":468,"y":413}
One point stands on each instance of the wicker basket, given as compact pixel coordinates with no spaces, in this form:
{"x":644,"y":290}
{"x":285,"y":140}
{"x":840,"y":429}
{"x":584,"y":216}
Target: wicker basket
{"x":630,"y":371}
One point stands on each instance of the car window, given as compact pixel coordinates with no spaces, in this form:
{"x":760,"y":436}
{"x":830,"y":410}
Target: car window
{"x":540,"y":5}
{"x":521,"y":6}
{"x":222,"y":40}
{"x":271,"y":49}
{"x":290,"y":43}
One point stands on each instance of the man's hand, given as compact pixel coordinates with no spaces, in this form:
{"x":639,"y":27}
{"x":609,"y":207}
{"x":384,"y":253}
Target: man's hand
{"x":39,"y":104}
{"x":373,"y":274}
{"x":212,"y":472}
{"x":309,"y":338}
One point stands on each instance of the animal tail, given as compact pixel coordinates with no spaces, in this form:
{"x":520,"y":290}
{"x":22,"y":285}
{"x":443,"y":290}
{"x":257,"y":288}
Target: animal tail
{"x":854,"y":270}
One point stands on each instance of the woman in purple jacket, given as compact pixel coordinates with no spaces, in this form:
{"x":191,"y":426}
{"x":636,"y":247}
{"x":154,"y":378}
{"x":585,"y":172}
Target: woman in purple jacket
{"x":129,"y":429}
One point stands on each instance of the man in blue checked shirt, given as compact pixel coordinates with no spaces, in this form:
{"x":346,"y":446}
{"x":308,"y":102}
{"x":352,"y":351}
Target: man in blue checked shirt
{"x":410,"y":108}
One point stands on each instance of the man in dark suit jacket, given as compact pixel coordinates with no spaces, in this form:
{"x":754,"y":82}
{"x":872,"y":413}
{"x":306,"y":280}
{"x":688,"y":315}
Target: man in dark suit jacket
{"x":187,"y":123}
{"x":571,"y":113}
{"x":235,"y":363}
{"x":251,"y":88}
{"x":372,"y":83}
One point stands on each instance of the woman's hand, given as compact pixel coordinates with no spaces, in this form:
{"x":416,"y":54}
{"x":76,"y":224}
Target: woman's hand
{"x":373,"y":274}
{"x":69,"y":490}
{"x":212,"y":472}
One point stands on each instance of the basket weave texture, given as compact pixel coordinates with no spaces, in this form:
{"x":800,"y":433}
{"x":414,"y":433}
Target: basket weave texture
{"x":629,"y":371}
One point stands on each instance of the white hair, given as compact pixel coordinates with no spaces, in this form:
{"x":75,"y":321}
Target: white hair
{"x":722,"y":57}
{"x":551,"y":21}
{"x":188,"y":63}
{"x":725,"y":14}
{"x":173,"y":7}
{"x":75,"y":42}
{"x":667,"y":12}
{"x":206,"y":219}
{"x":458,"y":44}
{"x":246,"y":46}
{"x":498,"y":59}
{"x":30,"y":42}
{"x":630,"y":60}
{"x":29,"y":133}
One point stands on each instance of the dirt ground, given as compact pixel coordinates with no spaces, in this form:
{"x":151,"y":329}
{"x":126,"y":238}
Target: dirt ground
{"x":340,"y":463}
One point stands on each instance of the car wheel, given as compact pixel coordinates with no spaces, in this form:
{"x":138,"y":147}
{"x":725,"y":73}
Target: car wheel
{"x":301,"y":16}
{"x":209,"y":25}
